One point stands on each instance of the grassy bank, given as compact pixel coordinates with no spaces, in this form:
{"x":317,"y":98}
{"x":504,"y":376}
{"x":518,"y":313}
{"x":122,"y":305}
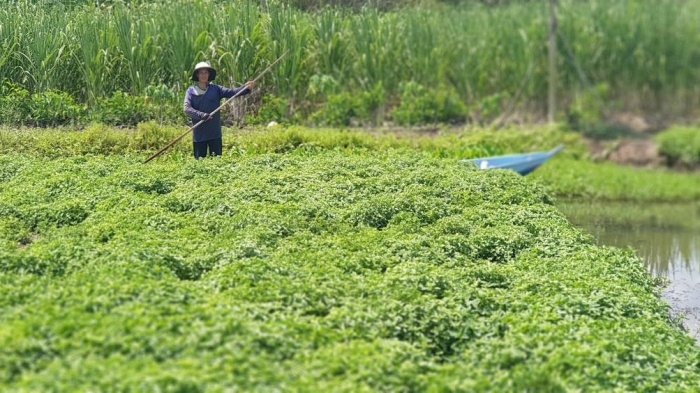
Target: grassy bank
{"x":571,"y":174}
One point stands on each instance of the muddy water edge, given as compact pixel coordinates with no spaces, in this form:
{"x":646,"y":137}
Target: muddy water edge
{"x":666,"y":236}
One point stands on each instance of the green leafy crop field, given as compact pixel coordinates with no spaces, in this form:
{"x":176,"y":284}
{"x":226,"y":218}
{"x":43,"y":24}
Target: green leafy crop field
{"x":332,"y":270}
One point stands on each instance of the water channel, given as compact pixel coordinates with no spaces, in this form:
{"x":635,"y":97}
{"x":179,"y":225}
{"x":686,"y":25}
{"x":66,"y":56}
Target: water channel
{"x":665,"y":236}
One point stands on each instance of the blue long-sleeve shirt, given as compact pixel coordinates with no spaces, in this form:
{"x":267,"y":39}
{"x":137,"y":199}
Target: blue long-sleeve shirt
{"x":197,"y":105}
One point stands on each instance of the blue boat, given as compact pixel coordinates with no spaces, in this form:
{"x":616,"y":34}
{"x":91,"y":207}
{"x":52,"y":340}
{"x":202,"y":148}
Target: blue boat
{"x":521,"y":163}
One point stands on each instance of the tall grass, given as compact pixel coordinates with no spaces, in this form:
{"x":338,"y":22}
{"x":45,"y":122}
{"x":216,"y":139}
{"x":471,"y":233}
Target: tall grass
{"x":184,"y":43}
{"x":332,"y":55}
{"x":290,"y":30}
{"x":138,"y":42}
{"x":96,"y":53}
{"x":35,"y":48}
{"x":378,"y":49}
{"x":244,"y":44}
{"x":643,"y":49}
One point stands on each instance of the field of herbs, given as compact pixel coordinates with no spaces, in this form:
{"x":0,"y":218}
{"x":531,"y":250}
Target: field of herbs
{"x":314,"y":260}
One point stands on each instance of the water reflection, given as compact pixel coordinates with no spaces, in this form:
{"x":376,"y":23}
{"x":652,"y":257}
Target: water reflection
{"x":665,"y":236}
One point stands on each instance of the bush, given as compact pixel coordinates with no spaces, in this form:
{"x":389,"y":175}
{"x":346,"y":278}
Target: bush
{"x":680,"y":145}
{"x":338,"y":110}
{"x":334,"y":270}
{"x":14,"y":103}
{"x":271,"y":109}
{"x":341,"y":108}
{"x":420,"y":105}
{"x":54,"y":108}
{"x":45,"y":109}
{"x":163,"y":104}
{"x":121,"y":109}
{"x":586,"y":112}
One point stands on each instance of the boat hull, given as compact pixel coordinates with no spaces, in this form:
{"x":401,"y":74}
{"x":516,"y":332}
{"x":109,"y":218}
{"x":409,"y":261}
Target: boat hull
{"x":521,"y":163}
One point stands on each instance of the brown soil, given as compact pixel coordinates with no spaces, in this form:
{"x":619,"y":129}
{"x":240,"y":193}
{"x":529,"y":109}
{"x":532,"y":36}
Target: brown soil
{"x":632,"y":143}
{"x":637,"y":152}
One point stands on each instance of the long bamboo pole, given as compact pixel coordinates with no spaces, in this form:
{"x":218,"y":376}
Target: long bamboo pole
{"x":174,"y":141}
{"x":552,"y":38}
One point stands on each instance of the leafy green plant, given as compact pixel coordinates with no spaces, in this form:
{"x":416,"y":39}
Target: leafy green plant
{"x":121,"y":109}
{"x":322,"y":86}
{"x":164,"y":99}
{"x":680,"y":145}
{"x":271,"y":108}
{"x":254,"y":271}
{"x":488,"y":108}
{"x":586,"y":112}
{"x":14,"y":103}
{"x":421,"y":105}
{"x":92,"y":51}
{"x":54,"y":108}
{"x":339,"y":110}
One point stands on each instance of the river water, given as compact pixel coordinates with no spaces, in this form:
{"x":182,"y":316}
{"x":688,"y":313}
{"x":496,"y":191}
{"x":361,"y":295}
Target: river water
{"x":665,"y":236}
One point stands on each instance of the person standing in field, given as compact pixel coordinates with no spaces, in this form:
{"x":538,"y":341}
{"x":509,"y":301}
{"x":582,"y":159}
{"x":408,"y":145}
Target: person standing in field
{"x":201,"y":100}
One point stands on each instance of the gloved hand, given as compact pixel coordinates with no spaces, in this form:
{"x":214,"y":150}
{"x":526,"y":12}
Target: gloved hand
{"x":205,"y":116}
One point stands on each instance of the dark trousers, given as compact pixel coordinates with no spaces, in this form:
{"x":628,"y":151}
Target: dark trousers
{"x":214,"y":145}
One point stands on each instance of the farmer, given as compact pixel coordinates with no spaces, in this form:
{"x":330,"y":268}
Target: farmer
{"x":200,"y":101}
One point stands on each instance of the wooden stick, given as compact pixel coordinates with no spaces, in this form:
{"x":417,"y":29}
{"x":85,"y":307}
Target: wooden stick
{"x":159,"y":152}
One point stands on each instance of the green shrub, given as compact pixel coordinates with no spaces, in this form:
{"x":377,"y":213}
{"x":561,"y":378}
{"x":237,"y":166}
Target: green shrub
{"x":272,"y":108}
{"x":45,"y":109}
{"x":163,"y":104}
{"x":680,"y":145}
{"x":54,"y":108}
{"x":15,"y":106}
{"x":339,"y":110}
{"x":121,"y":109}
{"x":587,"y":108}
{"x":322,"y":86}
{"x":488,"y":108}
{"x":150,"y":136}
{"x":422,"y":105}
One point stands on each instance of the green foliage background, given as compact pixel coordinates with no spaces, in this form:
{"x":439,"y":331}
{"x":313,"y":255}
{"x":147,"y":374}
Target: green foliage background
{"x":466,"y":60}
{"x":680,"y":145}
